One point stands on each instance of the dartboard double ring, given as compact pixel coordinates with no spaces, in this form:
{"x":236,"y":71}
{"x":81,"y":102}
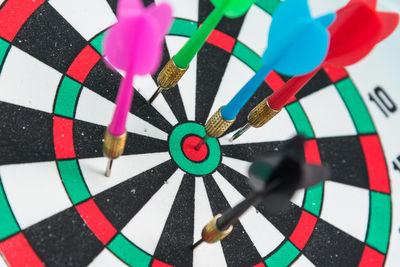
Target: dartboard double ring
{"x":57,"y":97}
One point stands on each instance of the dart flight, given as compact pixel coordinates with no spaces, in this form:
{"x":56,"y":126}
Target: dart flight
{"x":177,"y":66}
{"x":133,"y":45}
{"x":358,"y":28}
{"x":297,"y":44}
{"x":274,"y":179}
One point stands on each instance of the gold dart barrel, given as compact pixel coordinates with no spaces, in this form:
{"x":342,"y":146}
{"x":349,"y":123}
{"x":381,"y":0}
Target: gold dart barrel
{"x":170,"y":75}
{"x":212,"y":234}
{"x":113,"y":146}
{"x":261,"y":114}
{"x":217,"y":125}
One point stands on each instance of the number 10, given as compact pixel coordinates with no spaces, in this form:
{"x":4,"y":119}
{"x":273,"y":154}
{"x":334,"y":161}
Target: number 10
{"x":383,"y":101}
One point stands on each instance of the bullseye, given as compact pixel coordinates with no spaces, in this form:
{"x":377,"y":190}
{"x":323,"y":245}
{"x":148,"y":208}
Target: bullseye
{"x":188,"y":148}
{"x":182,"y":142}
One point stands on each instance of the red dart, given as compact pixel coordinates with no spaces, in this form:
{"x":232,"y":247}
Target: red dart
{"x":358,"y":28}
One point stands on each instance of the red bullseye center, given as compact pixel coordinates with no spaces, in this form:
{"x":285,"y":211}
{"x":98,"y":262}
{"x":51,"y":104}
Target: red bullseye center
{"x":189,"y":149}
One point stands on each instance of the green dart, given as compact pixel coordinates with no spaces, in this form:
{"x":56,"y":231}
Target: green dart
{"x":177,"y":66}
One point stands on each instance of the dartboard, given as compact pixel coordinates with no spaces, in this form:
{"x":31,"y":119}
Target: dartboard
{"x":57,"y":97}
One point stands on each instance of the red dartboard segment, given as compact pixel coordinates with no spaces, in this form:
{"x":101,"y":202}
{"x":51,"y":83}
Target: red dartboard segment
{"x":376,"y":165}
{"x":17,"y":252}
{"x":63,"y":138}
{"x":83,"y":63}
{"x":303,"y":230}
{"x":371,"y":258}
{"x":261,"y":264}
{"x":157,"y":263}
{"x":96,"y":221}
{"x":190,"y":151}
{"x":335,"y":74}
{"x":221,"y":40}
{"x":14,"y":14}
{"x":311,"y":152}
{"x":274,"y":81}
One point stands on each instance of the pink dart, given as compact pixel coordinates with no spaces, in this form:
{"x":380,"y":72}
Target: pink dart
{"x":134,"y":45}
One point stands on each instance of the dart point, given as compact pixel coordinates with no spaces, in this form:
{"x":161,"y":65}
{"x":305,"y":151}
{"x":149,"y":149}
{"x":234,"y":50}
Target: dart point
{"x":113,"y":147}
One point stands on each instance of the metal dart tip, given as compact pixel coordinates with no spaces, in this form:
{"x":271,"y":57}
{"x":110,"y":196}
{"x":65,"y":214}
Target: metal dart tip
{"x":108,"y":168}
{"x":154,"y":96}
{"x":196,"y":244}
{"x":240,"y":132}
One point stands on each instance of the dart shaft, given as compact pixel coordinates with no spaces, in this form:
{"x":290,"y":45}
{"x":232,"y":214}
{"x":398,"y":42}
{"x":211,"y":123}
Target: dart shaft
{"x":201,"y":143}
{"x":230,"y":216}
{"x":123,"y":105}
{"x":183,"y":58}
{"x":278,"y":99}
{"x":230,"y":111}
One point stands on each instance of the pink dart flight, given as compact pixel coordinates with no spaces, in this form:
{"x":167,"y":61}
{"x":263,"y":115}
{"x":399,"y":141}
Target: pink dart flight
{"x":134,"y":45}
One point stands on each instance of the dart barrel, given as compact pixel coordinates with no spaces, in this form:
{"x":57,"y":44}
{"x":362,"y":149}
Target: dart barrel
{"x":212,"y":234}
{"x":261,"y":114}
{"x":217,"y":125}
{"x":113,"y":146}
{"x":170,"y":75}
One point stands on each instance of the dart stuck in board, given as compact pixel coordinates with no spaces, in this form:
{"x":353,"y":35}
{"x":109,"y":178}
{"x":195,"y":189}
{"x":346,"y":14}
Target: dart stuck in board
{"x":177,"y":65}
{"x":274,"y":180}
{"x":133,"y":45}
{"x":297,"y":50}
{"x":358,"y":28}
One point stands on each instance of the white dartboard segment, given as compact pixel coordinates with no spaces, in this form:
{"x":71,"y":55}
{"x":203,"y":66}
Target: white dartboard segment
{"x":202,"y":215}
{"x":328,"y":114}
{"x":95,"y":109}
{"x":183,"y":8}
{"x":35,"y":191}
{"x":106,"y":258}
{"x":350,"y":211}
{"x":256,"y":38}
{"x":238,"y":165}
{"x":146,"y":227}
{"x":302,"y":261}
{"x":88,"y":17}
{"x":124,"y":168}
{"x":146,"y":86}
{"x":32,"y":84}
{"x":2,"y":262}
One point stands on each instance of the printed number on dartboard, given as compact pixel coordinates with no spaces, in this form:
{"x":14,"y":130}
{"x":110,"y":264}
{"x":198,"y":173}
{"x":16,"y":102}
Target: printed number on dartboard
{"x":383,"y":101}
{"x":396,"y":164}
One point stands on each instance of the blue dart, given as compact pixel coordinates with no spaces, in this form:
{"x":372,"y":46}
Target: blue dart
{"x":298,"y":44}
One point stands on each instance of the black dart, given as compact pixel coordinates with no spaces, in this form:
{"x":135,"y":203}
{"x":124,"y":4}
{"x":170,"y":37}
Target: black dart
{"x":274,"y":179}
